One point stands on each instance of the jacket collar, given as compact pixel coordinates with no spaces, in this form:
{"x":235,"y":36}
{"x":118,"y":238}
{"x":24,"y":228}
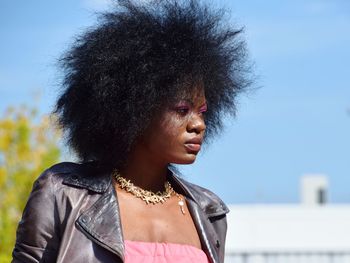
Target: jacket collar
{"x":210,"y":203}
{"x":83,"y":176}
{"x":105,"y":211}
{"x":86,"y":176}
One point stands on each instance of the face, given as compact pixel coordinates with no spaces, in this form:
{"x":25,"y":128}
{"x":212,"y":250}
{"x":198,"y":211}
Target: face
{"x":177,"y":134}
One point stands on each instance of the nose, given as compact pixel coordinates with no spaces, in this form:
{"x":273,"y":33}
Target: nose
{"x":196,"y":124}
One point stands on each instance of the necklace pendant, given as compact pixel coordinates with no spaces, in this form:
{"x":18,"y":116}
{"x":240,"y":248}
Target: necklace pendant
{"x":181,"y":204}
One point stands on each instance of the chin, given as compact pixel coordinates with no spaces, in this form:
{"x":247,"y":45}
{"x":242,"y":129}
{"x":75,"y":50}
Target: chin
{"x":189,"y":159}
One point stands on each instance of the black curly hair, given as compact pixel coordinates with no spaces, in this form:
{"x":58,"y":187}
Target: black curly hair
{"x":139,"y":58}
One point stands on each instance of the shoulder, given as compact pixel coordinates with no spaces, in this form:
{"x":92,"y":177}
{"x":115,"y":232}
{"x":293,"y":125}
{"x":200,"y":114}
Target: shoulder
{"x":56,"y":174}
{"x":78,"y":175}
{"x":206,"y":199}
{"x":64,"y":168}
{"x":60,"y":170}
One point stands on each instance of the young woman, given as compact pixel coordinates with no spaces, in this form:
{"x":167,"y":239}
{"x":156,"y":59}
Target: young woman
{"x":142,"y":91}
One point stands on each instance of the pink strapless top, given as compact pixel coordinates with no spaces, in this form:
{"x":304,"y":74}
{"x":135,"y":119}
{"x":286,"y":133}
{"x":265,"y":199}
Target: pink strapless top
{"x":149,"y":252}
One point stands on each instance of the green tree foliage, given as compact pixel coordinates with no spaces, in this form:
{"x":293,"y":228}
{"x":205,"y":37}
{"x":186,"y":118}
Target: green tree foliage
{"x":28,"y":145}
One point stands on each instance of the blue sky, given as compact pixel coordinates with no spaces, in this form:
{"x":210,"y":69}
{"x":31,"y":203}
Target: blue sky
{"x":298,"y":122}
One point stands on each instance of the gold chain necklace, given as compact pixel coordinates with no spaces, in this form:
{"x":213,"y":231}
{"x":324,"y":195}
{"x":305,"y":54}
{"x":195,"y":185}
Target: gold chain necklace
{"x":147,"y":196}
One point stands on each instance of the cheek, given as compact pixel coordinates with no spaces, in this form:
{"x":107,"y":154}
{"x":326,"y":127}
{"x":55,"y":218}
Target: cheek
{"x":173,"y":127}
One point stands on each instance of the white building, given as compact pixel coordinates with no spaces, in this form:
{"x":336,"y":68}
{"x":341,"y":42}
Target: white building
{"x":310,"y":232}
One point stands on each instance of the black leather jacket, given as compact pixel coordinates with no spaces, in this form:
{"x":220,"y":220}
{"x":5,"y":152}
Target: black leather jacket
{"x":72,"y":216}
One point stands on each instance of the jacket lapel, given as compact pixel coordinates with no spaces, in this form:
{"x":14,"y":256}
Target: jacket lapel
{"x":205,"y":230}
{"x":101,"y":223}
{"x":200,"y":216}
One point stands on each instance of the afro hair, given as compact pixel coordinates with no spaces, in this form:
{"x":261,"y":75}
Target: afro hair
{"x":138,"y":58}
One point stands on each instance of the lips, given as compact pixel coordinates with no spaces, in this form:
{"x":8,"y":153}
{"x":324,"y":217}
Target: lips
{"x":194,"y":144}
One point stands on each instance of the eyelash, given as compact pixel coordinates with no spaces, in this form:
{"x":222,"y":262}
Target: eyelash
{"x":182,"y":110}
{"x":185,"y":110}
{"x":203,"y":110}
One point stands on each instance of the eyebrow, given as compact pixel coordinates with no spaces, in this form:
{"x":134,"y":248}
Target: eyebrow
{"x":191,"y":102}
{"x":184,"y":101}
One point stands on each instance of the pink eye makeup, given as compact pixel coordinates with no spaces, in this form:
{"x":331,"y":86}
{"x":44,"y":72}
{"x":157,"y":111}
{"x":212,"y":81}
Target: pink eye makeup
{"x":182,"y":104}
{"x":203,"y":108}
{"x":182,"y":107}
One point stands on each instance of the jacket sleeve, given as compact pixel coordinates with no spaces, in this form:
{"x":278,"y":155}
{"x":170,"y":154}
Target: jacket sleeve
{"x":37,"y":237}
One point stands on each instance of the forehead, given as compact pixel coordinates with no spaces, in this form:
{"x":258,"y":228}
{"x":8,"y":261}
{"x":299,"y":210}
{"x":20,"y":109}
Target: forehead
{"x":195,"y":95}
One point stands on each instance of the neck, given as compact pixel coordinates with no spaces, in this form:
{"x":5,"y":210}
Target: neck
{"x":145,"y":172}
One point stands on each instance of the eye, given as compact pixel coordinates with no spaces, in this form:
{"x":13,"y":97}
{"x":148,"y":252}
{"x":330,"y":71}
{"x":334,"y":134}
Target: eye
{"x":182,"y":110}
{"x":203,"y":109}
